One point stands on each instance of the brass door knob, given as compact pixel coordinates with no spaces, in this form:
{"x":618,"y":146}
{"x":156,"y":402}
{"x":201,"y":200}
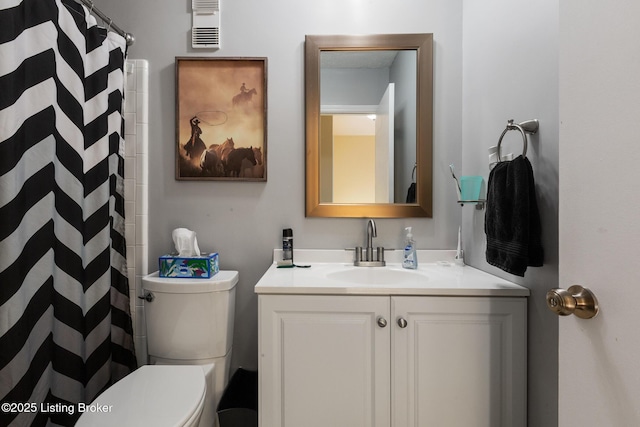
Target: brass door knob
{"x":575,"y":300}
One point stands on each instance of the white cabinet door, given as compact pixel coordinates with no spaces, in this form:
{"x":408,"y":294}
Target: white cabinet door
{"x":324,"y":361}
{"x":458,"y":362}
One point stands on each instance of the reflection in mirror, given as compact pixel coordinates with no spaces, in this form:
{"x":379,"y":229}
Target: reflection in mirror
{"x":346,"y":139}
{"x":380,"y":85}
{"x":369,"y":108}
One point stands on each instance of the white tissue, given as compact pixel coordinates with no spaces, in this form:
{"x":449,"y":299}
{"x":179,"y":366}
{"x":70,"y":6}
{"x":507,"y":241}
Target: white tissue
{"x":185,"y":242}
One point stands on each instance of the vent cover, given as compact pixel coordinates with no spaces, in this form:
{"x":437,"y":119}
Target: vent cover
{"x":205,"y":37}
{"x":203,"y":5}
{"x":205,"y":29}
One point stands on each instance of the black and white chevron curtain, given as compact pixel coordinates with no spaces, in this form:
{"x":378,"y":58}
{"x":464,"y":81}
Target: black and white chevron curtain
{"x":65,"y":324}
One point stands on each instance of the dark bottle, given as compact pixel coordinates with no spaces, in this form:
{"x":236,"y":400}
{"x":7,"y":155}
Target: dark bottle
{"x":287,"y":244}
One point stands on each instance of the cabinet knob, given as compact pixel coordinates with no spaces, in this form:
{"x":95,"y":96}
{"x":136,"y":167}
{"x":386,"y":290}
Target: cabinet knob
{"x":575,"y":300}
{"x":382,"y":322}
{"x":402,"y":322}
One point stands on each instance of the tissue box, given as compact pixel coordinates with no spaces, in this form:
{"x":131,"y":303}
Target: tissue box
{"x":204,"y":266}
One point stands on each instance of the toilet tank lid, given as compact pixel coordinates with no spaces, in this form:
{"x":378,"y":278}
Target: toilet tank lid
{"x":222,"y":281}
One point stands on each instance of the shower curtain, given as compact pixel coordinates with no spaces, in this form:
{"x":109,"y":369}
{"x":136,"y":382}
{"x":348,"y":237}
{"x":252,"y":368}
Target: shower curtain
{"x":65,"y":324}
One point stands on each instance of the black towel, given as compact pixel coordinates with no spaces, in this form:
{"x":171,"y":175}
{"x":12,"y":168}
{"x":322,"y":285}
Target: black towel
{"x":512,"y":221}
{"x":411,"y":193}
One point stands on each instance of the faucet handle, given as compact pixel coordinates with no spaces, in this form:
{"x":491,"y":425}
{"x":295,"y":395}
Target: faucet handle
{"x":358,"y":257}
{"x":380,"y":254}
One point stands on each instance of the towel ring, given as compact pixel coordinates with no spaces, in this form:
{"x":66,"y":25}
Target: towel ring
{"x":530,"y":126}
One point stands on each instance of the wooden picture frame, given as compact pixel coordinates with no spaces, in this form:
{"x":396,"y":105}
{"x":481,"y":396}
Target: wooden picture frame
{"x":221,"y":119}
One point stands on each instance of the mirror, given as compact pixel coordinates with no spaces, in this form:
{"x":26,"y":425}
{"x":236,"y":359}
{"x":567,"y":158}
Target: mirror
{"x":369,"y":108}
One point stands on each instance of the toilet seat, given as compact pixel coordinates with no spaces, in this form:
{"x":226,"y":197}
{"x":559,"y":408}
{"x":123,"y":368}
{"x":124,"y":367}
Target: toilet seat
{"x":153,"y":395}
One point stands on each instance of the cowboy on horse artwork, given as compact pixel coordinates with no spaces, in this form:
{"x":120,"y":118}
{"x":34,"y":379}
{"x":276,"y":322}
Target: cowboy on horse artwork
{"x":221,"y":113}
{"x":244,"y":96}
{"x":195,"y":146}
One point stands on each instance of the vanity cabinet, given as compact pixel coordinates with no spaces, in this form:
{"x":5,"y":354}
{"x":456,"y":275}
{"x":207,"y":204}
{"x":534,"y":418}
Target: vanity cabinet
{"x":401,"y":361}
{"x":460,"y":361}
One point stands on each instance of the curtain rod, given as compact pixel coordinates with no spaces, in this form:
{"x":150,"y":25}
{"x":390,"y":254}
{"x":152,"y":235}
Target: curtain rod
{"x":92,"y":9}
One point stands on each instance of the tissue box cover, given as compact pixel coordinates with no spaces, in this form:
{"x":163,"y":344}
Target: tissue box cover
{"x":198,"y":267}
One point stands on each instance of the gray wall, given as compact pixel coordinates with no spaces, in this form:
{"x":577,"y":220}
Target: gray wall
{"x":511,"y":72}
{"x":405,"y":133}
{"x":505,"y":66}
{"x":243,"y":221}
{"x":353,"y":86}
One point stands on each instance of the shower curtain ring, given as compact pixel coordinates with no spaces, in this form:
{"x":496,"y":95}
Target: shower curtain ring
{"x":110,"y":22}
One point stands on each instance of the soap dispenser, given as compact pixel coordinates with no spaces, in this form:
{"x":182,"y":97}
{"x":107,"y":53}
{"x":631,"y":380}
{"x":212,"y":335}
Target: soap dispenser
{"x":409,"y":260}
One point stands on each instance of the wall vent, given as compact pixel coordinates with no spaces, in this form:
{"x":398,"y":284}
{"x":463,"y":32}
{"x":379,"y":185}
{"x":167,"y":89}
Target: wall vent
{"x":205,"y":29}
{"x":205,"y":37}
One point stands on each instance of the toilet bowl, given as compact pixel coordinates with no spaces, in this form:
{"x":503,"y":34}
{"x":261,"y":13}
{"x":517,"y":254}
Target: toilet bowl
{"x":189,"y":336}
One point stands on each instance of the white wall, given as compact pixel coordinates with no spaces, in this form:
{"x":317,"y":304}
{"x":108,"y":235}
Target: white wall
{"x":510,"y":71}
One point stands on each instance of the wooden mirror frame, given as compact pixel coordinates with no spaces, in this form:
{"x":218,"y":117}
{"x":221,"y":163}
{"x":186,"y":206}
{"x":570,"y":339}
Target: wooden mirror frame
{"x":423,"y":45}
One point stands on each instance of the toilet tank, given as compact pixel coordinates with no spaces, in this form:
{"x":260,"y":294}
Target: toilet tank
{"x":190,"y":319}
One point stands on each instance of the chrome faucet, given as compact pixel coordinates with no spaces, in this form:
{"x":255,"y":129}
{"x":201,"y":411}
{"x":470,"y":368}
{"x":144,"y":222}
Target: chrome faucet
{"x":371,"y":233}
{"x":368,"y":260}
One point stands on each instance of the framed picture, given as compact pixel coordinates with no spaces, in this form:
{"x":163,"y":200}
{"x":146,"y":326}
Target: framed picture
{"x":221,"y":119}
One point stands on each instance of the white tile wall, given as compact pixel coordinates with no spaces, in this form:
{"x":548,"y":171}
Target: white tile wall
{"x":136,"y":183}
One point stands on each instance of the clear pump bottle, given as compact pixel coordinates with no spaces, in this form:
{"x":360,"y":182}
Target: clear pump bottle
{"x":410,"y":259}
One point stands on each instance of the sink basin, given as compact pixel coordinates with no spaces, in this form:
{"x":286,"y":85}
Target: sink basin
{"x":377,"y":276}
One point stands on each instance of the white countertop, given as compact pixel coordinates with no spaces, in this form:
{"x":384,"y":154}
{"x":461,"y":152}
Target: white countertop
{"x":436,"y":275}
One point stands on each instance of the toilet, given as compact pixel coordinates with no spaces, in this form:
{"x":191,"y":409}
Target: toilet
{"x":189,"y":338}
